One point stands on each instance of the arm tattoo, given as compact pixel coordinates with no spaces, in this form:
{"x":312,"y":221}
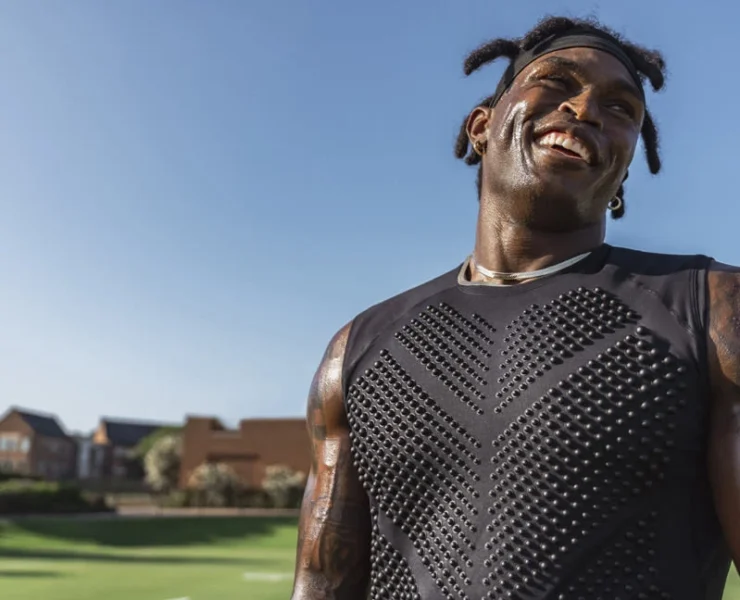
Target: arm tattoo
{"x":724,"y":429}
{"x":724,"y":287}
{"x":334,"y":535}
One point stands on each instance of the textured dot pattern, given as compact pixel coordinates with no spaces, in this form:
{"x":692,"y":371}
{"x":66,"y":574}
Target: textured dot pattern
{"x":546,"y":336}
{"x":454,"y":349}
{"x":599,"y":438}
{"x":390,"y":575}
{"x":418,"y":466}
{"x":622,"y":569}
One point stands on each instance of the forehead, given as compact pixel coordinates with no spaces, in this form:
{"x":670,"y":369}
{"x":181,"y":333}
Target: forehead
{"x":597,"y":65}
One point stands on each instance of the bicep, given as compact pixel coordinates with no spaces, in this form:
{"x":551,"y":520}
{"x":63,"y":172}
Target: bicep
{"x":724,"y":433}
{"x":334,"y":536}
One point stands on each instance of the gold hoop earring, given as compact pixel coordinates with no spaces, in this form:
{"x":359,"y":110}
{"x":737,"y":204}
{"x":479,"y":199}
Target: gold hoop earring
{"x":615,"y":203}
{"x":480,"y":147}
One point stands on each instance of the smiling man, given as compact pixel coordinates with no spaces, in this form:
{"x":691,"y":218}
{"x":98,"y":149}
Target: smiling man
{"x":555,"y":418}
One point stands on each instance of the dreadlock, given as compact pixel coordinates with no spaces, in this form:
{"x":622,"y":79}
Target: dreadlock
{"x":649,"y":64}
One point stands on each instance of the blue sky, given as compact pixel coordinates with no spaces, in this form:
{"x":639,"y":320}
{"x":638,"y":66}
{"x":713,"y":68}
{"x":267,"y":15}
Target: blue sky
{"x":194,"y":196}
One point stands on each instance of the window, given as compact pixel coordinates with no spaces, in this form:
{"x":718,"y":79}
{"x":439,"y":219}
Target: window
{"x":25,"y":444}
{"x":8,"y":442}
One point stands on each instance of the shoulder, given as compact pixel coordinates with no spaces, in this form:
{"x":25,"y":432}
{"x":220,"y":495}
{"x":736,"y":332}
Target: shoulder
{"x":641,"y":262}
{"x":678,"y":281}
{"x":342,"y":348}
{"x":723,"y":286}
{"x":388,"y":311}
{"x":370,"y":324}
{"x":723,"y":271}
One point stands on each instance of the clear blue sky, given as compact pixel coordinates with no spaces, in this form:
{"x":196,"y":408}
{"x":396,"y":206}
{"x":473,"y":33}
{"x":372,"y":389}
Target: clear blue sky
{"x":194,"y":196}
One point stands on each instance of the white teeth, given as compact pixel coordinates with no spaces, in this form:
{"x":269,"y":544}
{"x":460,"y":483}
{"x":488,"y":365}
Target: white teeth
{"x":569,"y":143}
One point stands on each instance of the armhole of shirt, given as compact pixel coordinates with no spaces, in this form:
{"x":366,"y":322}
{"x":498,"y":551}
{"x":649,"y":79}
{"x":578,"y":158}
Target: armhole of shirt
{"x":345,"y":366}
{"x":700,"y":312}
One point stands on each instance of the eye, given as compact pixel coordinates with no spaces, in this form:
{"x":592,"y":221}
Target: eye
{"x":558,"y":80}
{"x":623,"y":108}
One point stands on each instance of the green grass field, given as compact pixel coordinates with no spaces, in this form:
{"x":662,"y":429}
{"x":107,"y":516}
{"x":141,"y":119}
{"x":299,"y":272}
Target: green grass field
{"x":147,"y":559}
{"x":154,"y":559}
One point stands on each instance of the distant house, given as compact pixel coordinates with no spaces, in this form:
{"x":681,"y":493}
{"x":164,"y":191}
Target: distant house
{"x":109,"y":452}
{"x":33,"y":443}
{"x":248,"y":450}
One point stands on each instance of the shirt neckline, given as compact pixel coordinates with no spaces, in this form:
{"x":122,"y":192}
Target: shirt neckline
{"x":590,"y":264}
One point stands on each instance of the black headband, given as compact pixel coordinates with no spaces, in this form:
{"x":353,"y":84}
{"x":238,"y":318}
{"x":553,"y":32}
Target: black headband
{"x":578,"y":38}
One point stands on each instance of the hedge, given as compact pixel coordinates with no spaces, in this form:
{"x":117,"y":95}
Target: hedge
{"x":243,"y":498}
{"x":10,"y":476}
{"x":23,"y":496}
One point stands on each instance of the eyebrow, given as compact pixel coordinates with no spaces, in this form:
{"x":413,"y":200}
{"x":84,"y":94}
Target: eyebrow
{"x":576,"y":68}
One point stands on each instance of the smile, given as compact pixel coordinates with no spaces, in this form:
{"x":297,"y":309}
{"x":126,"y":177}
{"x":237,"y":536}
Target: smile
{"x":567,"y":145}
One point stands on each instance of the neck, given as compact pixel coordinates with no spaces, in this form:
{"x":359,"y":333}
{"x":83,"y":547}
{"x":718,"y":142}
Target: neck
{"x":508,"y":247}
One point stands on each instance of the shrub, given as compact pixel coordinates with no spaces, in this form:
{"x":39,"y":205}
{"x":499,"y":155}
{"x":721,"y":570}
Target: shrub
{"x":214,"y":484}
{"x":20,"y":496}
{"x":284,"y":486}
{"x":238,"y":498}
{"x":177,"y":499}
{"x":253,"y":498}
{"x":10,"y":475}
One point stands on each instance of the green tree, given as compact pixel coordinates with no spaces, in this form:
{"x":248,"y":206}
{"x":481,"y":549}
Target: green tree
{"x":146,"y":443}
{"x":162,"y":463}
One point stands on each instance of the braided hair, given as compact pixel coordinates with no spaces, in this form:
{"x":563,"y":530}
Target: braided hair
{"x":649,"y":64}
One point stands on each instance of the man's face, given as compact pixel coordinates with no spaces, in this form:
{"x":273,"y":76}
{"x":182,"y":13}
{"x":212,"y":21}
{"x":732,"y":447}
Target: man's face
{"x":560,"y":140}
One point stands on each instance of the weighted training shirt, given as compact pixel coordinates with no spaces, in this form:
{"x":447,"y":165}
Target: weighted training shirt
{"x":541,"y":441}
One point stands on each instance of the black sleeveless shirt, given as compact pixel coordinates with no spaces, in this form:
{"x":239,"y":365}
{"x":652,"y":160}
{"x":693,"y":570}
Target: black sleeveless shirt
{"x":539,"y":441}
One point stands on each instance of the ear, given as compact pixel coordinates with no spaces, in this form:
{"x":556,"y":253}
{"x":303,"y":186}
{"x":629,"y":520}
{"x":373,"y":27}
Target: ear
{"x":477,"y":124}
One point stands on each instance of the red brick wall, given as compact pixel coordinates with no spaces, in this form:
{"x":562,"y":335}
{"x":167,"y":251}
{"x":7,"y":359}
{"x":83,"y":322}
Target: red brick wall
{"x":52,"y":458}
{"x":257,"y":444}
{"x":14,"y":425}
{"x":278,"y":442}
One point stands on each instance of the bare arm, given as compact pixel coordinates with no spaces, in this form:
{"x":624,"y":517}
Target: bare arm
{"x":724,"y":440}
{"x":333,"y":561}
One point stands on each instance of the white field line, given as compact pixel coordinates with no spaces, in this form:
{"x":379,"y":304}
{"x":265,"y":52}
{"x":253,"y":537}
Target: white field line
{"x":251,"y":576}
{"x":180,"y":598}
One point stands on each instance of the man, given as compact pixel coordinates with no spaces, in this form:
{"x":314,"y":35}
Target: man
{"x":556,"y":418}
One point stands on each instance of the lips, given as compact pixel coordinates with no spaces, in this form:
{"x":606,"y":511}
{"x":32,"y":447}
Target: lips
{"x":569,"y":143}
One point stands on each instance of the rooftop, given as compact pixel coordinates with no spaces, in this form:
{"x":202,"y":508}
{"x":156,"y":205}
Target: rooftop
{"x":44,"y":424}
{"x":129,"y":433}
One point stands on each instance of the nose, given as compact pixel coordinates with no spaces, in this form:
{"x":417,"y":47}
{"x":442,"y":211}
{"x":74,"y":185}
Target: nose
{"x":584,"y":108}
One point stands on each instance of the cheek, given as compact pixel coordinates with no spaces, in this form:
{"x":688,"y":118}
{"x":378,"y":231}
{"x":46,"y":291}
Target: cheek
{"x":623,"y":145}
{"x":626,"y":139}
{"x":633,"y":144}
{"x":509,"y":119}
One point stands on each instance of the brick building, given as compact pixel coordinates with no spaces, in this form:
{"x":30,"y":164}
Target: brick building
{"x":255,"y":445}
{"x":33,"y":443}
{"x":109,"y":452}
